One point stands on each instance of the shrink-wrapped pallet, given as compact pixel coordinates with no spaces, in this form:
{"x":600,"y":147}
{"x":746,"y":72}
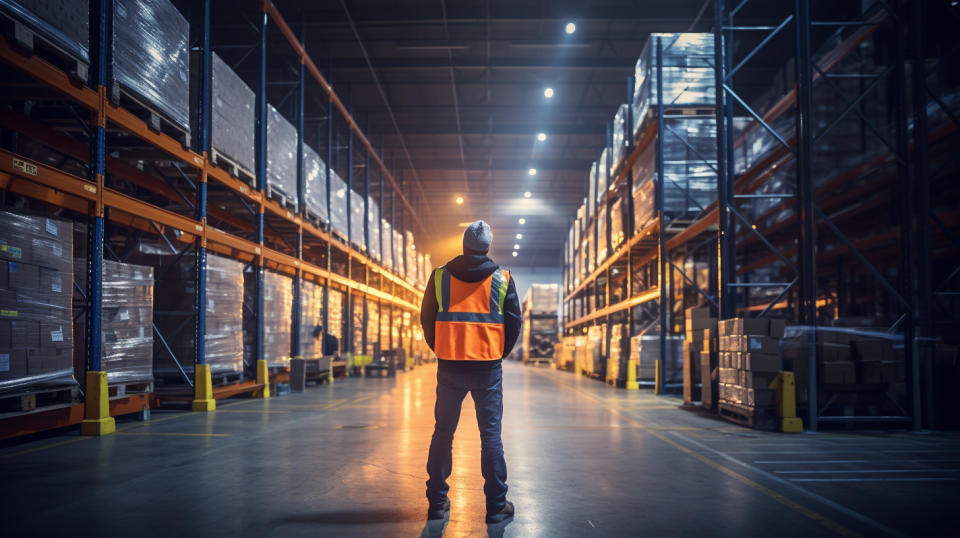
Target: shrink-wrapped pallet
{"x":281,"y":156}
{"x":315,"y":185}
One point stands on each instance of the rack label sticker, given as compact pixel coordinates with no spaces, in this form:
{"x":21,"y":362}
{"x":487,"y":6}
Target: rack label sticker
{"x":57,"y":335}
{"x":9,"y":313}
{"x":52,"y":227}
{"x":198,"y":227}
{"x":90,"y":189}
{"x":57,"y":251}
{"x":4,"y":362}
{"x":211,"y":305}
{"x":16,"y":252}
{"x":141,"y":332}
{"x":24,"y":166}
{"x":124,"y":315}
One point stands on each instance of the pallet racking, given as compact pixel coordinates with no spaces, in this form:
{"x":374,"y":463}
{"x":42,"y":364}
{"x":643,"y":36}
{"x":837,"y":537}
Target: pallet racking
{"x":92,"y":159}
{"x":797,"y":230}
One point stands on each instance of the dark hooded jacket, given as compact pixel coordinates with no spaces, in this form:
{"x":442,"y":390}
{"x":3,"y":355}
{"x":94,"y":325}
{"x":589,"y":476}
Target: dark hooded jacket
{"x":472,"y":268}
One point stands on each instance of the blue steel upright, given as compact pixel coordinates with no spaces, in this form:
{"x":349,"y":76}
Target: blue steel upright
{"x":261,"y":165}
{"x":205,"y":85}
{"x":296,"y":350}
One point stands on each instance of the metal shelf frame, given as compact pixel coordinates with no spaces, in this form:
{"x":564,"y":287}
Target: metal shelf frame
{"x":114,"y":193}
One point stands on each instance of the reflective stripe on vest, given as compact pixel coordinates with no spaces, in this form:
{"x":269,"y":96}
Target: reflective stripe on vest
{"x":470,"y":321}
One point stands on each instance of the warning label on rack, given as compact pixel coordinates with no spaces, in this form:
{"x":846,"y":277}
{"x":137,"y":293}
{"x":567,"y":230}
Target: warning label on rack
{"x":24,"y":166}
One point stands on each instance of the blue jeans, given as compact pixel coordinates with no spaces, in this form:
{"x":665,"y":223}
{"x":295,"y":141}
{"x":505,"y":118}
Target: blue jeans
{"x":486,"y":389}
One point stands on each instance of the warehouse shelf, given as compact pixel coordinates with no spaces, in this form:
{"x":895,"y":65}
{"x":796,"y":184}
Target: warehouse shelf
{"x":244,"y":224}
{"x":844,"y":199}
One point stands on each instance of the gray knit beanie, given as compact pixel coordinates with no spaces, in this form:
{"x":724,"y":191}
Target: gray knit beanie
{"x":477,"y":237}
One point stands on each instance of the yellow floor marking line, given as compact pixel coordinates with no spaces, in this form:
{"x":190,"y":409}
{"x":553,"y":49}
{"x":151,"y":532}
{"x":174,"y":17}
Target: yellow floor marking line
{"x":253,"y":411}
{"x":177,"y":434}
{"x":44,"y":447}
{"x":793,"y":505}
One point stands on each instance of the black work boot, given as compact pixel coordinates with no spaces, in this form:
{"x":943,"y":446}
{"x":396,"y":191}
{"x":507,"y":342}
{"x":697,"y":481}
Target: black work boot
{"x":505,"y":513}
{"x":439,"y":511}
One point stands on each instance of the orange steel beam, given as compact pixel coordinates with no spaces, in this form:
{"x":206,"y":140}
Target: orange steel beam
{"x":647,"y":230}
{"x":644,"y":297}
{"x":268,"y":7}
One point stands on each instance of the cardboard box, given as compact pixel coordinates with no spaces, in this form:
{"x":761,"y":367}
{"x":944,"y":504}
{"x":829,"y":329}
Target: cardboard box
{"x":55,"y":282}
{"x":728,"y":375}
{"x":19,"y":276}
{"x":763,"y":344}
{"x":708,"y":380}
{"x":873,"y":350}
{"x":760,"y":397}
{"x":838,"y":373}
{"x":834,"y":352}
{"x":870,"y":372}
{"x":13,"y":364}
{"x":56,"y":335}
{"x":759,"y":362}
{"x":777,"y":327}
{"x":754,"y":326}
{"x":699,"y":324}
{"x":756,"y":380}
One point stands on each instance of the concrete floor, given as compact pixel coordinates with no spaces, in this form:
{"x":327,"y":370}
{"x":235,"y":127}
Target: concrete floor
{"x":583,"y":459}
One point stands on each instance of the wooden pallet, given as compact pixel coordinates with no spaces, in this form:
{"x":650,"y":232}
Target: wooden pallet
{"x":757,"y":418}
{"x":689,"y":111}
{"x":121,"y":390}
{"x":30,"y":400}
{"x":281,"y":198}
{"x":233,"y":168}
{"x":538,"y":361}
{"x":25,"y":39}
{"x":157,"y":121}
{"x":314,"y":218}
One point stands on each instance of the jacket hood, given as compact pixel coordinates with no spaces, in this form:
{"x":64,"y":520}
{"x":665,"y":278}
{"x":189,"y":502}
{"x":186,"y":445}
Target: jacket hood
{"x":471,"y":267}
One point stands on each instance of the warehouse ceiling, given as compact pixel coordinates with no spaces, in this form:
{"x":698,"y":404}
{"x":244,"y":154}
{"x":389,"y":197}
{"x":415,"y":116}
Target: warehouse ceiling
{"x":454,"y":92}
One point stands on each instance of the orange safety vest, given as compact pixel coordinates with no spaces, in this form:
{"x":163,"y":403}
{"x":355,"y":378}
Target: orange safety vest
{"x":469,"y":324}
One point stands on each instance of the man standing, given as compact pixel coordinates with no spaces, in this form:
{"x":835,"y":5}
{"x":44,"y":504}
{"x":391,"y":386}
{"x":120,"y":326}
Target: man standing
{"x":471,"y":319}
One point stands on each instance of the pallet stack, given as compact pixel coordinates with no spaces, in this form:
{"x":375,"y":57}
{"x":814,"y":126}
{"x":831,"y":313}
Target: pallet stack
{"x":700,"y":358}
{"x":36,"y":293}
{"x":749,"y":360}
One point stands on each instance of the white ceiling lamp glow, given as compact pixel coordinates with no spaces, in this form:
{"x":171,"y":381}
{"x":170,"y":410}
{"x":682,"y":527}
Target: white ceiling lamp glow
{"x":514,"y":253}
{"x":516,"y":246}
{"x":548,"y":93}
{"x":459,"y":200}
{"x":532,"y":171}
{"x":519,"y":236}
{"x":522,"y":220}
{"x":570,"y":28}
{"x":542,"y":137}
{"x":527,"y":194}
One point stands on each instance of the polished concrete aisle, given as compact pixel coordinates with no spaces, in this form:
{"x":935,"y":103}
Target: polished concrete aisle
{"x":583,"y":459}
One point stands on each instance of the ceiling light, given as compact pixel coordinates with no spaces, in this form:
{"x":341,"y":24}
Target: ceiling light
{"x":532,"y":171}
{"x":459,"y":200}
{"x":519,"y":236}
{"x":542,"y":137}
{"x":522,"y":220}
{"x":516,"y":246}
{"x":514,"y":253}
{"x":527,"y":194}
{"x":570,"y":28}
{"x":548,"y":93}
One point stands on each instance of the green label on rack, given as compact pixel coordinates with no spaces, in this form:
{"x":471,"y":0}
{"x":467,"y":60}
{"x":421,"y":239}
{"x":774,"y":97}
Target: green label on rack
{"x":16,"y":252}
{"x":9,"y":313}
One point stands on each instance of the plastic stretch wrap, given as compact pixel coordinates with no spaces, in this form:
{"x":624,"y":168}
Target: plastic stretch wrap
{"x":619,"y":136}
{"x":357,"y":325}
{"x":387,"y":253}
{"x":399,"y":258}
{"x":311,"y":320}
{"x":356,"y":221}
{"x":36,"y":296}
{"x":281,"y":155}
{"x":335,"y":318}
{"x":588,"y":247}
{"x":174,"y":299}
{"x":688,"y":78}
{"x":277,"y":313}
{"x":150,"y":56}
{"x":617,"y":232}
{"x":338,"y":204}
{"x":602,"y":234}
{"x":232,"y":114}
{"x":411,"y":254}
{"x":315,"y":184}
{"x":603,"y":175}
{"x":645,"y":349}
{"x":64,"y":22}
{"x":592,"y":190}
{"x":373,"y":327}
{"x":127,"y":322}
{"x":373,"y":228}
{"x":542,"y":298}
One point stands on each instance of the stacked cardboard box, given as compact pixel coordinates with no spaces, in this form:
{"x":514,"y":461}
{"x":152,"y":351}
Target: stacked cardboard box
{"x":356,"y":221}
{"x":700,"y":358}
{"x":281,"y":155}
{"x":617,"y":362}
{"x":749,"y":360}
{"x":311,"y":320}
{"x":232,"y":114}
{"x":277,"y":309}
{"x":645,"y":349}
{"x":36,"y":293}
{"x":315,"y":184}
